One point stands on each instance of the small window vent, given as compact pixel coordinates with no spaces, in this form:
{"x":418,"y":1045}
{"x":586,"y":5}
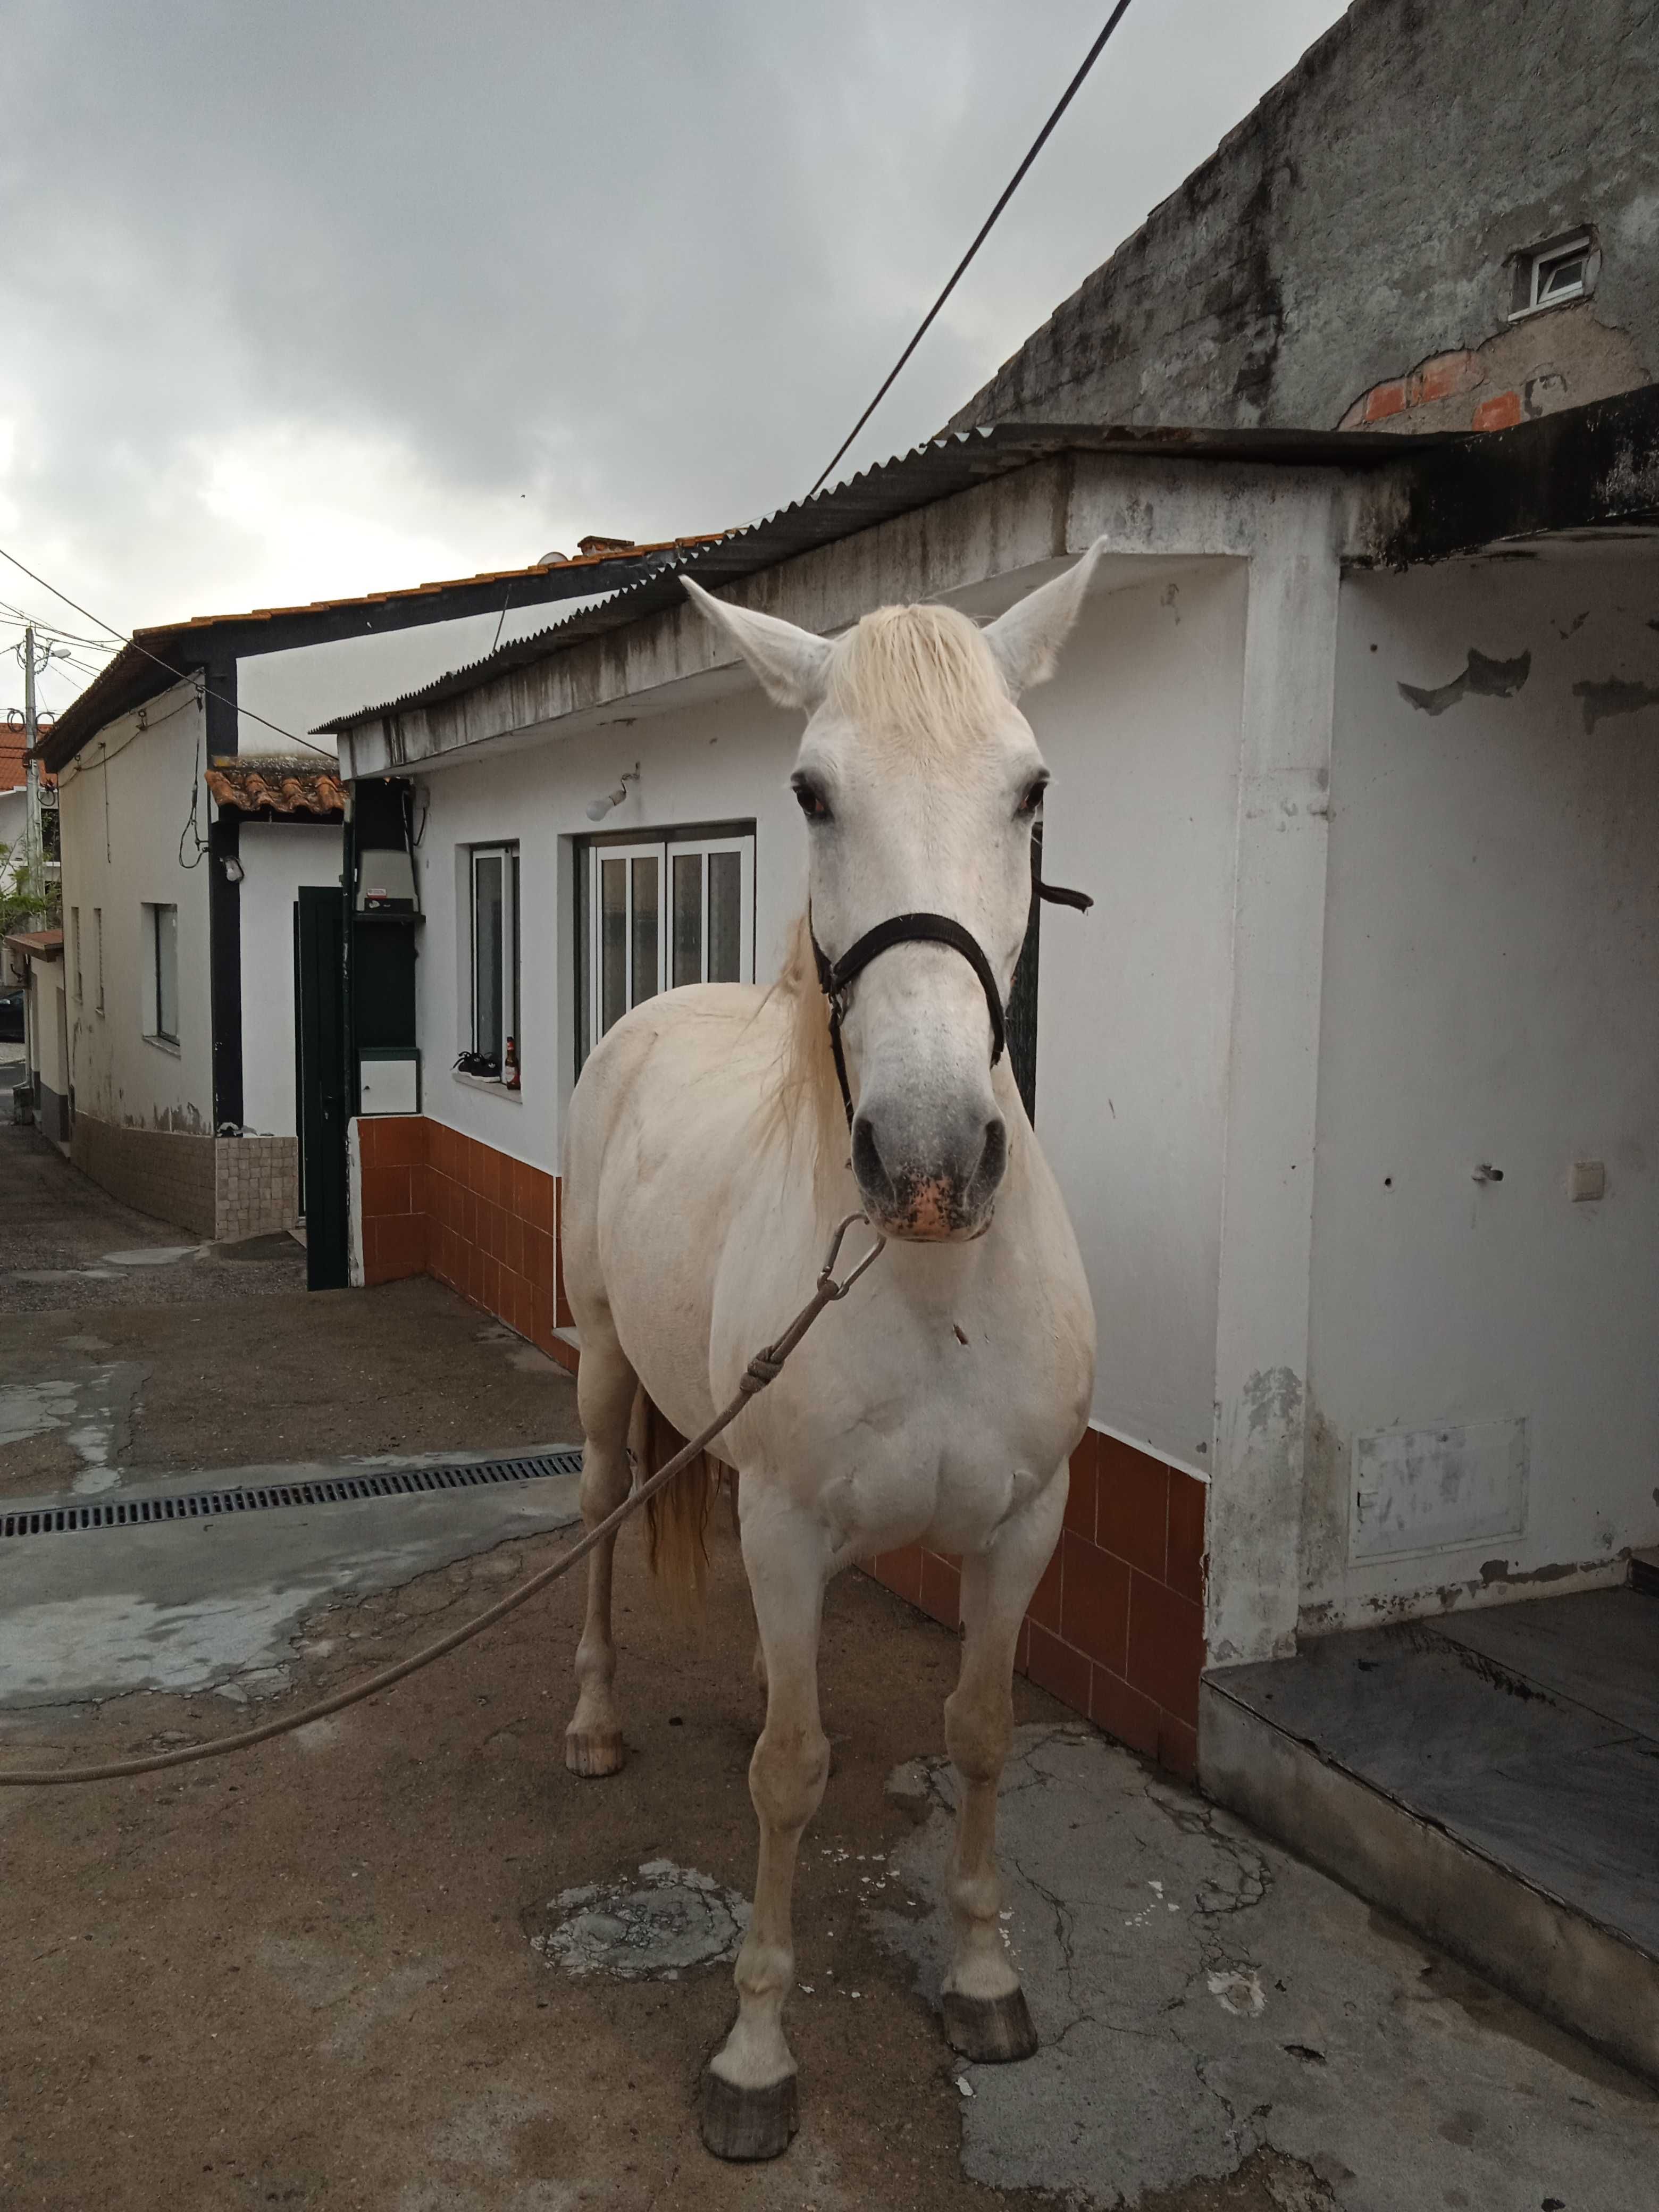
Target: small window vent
{"x":1549,"y":276}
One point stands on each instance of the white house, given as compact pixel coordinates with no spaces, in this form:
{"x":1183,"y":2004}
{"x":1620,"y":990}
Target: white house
{"x":1347,"y":1076}
{"x":192,"y":818}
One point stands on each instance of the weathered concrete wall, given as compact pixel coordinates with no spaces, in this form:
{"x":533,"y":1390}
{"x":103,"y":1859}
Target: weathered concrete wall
{"x":1359,"y":224}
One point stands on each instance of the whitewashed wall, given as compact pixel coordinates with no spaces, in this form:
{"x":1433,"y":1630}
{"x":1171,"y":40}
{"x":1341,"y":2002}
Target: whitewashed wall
{"x":1491,"y":998}
{"x":276,"y":858}
{"x":1141,"y":729}
{"x":123,"y":804}
{"x":726,"y":760}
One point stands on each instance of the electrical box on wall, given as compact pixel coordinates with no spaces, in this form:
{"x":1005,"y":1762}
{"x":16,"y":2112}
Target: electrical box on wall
{"x":389,"y":1079}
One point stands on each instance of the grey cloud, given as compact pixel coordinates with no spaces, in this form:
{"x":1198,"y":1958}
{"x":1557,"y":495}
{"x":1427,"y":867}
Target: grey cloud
{"x":642,"y":264}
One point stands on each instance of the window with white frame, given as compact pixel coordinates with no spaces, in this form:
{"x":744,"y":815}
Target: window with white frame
{"x":662,"y":912}
{"x":494,"y":1056}
{"x":1552,"y":275}
{"x":161,"y":936}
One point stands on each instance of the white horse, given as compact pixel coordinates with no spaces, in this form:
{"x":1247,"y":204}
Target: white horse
{"x":707,"y":1161}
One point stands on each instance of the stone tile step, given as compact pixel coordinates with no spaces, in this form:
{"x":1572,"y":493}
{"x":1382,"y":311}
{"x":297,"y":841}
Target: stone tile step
{"x":1491,"y":1779}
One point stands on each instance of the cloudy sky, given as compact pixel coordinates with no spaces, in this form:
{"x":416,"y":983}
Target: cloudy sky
{"x":317,"y":298}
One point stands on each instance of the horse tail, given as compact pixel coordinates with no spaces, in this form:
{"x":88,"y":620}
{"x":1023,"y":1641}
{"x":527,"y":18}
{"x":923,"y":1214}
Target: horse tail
{"x":676,"y":1518}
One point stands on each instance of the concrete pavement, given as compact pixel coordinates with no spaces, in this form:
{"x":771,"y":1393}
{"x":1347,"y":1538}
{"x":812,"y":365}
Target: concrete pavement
{"x":1204,"y":1998}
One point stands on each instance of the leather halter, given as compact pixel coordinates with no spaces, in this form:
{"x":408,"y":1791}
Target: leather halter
{"x":834,"y":976}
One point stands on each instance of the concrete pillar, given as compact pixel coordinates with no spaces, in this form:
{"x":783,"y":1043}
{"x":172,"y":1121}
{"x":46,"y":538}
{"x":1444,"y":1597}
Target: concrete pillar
{"x":1279,"y":933}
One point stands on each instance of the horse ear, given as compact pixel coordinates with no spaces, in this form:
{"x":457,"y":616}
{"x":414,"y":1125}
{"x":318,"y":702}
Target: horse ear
{"x":793,"y":664}
{"x":1025,"y":642}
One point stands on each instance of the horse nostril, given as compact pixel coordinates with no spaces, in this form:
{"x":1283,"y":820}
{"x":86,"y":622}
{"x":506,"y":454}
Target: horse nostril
{"x":867,"y":1163}
{"x":994,"y":1158}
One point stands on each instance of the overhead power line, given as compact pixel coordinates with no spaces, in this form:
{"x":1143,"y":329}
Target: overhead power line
{"x":207,"y":692}
{"x":985,"y":230}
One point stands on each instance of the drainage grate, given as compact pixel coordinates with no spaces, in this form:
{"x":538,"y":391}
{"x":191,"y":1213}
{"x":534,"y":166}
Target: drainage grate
{"x":328,"y":1489}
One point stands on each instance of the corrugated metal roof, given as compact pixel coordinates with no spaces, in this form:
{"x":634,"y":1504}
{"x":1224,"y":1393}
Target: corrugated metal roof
{"x":943,"y":465}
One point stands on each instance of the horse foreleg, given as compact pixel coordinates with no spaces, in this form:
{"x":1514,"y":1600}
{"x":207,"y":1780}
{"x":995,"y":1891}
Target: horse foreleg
{"x":748,"y":2092}
{"x":605,"y":1390}
{"x":986,"y":2015}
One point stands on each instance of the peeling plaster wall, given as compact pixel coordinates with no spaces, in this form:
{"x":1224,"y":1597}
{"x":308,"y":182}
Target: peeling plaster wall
{"x":124,"y":806}
{"x":1356,"y":224}
{"x":1491,"y":998}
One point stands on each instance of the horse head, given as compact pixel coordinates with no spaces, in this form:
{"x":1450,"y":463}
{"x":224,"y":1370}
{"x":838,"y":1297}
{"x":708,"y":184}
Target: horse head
{"x":921,"y":782}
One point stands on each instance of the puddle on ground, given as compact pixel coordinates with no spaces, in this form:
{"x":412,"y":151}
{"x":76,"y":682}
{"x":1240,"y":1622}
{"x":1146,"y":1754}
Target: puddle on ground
{"x":653,"y":1928}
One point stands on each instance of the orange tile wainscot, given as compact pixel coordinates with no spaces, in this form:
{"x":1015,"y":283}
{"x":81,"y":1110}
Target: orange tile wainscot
{"x":1117,"y":1628}
{"x":437,"y":1203}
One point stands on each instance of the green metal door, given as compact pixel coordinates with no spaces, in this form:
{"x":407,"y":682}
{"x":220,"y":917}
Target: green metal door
{"x":319,"y":973}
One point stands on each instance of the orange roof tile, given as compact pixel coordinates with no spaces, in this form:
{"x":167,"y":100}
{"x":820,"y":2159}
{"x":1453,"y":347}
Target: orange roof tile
{"x":253,"y":783}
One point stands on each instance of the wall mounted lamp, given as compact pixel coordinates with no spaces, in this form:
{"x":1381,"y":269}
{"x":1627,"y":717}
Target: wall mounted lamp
{"x":598,"y":808}
{"x":233,"y":868}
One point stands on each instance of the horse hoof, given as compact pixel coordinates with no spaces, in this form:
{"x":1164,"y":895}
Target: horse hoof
{"x":748,"y":2124}
{"x":991,"y":2031}
{"x":594,"y":1751}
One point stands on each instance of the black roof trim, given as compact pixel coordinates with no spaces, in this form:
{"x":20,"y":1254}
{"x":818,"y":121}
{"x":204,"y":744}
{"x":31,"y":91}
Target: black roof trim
{"x":1586,"y":468}
{"x":159,"y":657}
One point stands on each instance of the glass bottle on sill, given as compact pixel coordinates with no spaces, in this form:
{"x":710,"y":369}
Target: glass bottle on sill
{"x":510,"y":1065}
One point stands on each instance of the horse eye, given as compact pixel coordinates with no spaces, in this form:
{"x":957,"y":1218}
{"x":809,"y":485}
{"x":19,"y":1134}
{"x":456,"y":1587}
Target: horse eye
{"x":810,"y":802}
{"x":1033,"y":799}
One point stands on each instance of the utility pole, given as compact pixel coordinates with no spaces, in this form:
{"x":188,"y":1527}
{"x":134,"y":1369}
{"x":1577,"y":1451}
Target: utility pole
{"x":33,"y":843}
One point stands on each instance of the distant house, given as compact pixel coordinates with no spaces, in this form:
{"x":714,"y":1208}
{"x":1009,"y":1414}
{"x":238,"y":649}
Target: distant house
{"x":191,"y":823}
{"x":14,"y":800}
{"x":13,"y":795}
{"x":34,"y":958}
{"x":1442,"y":218}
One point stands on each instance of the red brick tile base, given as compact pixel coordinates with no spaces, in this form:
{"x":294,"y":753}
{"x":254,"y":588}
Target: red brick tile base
{"x":437,"y":1203}
{"x":1115,"y":1630}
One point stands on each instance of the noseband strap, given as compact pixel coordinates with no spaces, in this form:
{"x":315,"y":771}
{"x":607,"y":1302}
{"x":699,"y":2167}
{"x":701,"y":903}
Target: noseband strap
{"x":835,"y":976}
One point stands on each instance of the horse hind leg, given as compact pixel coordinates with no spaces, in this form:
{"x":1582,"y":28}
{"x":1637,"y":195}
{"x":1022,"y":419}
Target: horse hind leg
{"x":607,"y":1388}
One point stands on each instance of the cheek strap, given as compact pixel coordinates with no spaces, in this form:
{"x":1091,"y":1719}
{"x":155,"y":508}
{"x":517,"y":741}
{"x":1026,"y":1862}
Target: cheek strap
{"x":835,"y":976}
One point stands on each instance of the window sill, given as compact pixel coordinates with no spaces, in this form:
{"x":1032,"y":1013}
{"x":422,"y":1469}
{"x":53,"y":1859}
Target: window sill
{"x":164,"y":1044}
{"x":1547,"y":307}
{"x":487,"y":1083}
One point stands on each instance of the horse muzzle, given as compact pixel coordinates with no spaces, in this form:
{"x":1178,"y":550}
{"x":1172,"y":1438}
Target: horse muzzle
{"x":928,"y":1187}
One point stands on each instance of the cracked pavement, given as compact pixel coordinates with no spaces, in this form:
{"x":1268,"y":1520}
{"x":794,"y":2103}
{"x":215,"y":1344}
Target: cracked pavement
{"x":1203,"y":1998}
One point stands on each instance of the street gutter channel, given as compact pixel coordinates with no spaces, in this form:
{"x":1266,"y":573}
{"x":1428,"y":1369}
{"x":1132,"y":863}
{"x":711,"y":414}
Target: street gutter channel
{"x":52,"y":1517}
